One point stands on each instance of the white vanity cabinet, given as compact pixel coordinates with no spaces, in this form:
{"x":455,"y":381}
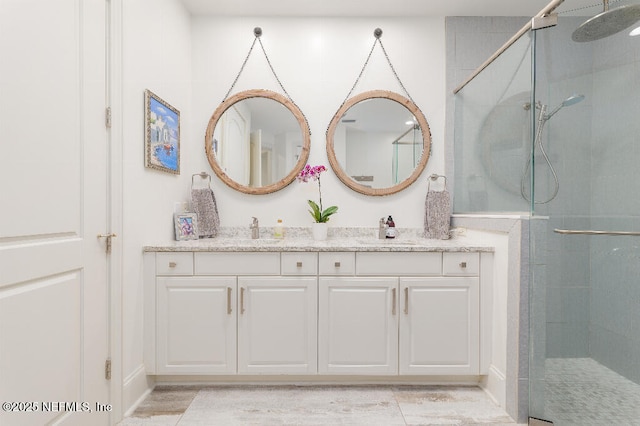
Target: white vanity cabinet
{"x":439,"y":325}
{"x":196,"y":322}
{"x":231,"y":313}
{"x":308,"y":313}
{"x":277,"y":323}
{"x":358,"y":325}
{"x":414,"y":320}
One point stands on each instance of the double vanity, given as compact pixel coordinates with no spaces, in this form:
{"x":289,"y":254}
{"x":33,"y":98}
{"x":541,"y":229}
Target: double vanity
{"x":408,"y":308}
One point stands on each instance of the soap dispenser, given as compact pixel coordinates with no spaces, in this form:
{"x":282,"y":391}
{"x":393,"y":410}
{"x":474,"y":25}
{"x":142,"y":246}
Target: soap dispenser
{"x":391,"y":230}
{"x":278,"y":230}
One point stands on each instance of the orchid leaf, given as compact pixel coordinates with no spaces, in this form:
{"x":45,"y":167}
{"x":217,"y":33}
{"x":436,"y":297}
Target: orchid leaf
{"x":324,"y":217}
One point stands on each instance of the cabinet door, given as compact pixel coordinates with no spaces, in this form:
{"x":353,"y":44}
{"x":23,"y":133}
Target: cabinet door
{"x":439,"y":326}
{"x":358,"y":326}
{"x":196,"y":325}
{"x":277,"y":325}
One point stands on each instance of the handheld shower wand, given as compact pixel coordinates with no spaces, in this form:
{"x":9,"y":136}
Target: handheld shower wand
{"x":543,"y":117}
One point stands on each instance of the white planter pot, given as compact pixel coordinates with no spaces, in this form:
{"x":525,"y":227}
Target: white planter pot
{"x":319,"y":231}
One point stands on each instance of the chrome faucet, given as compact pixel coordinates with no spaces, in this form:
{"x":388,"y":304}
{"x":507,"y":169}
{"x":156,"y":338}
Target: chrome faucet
{"x":382,"y":229}
{"x":255,"y":229}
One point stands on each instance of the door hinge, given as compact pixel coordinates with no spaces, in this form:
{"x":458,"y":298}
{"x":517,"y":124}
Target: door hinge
{"x":108,"y":237}
{"x":546,"y":21}
{"x":107,"y":369}
{"x":107,"y":117}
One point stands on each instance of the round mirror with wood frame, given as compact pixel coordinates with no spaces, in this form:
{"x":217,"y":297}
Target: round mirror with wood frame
{"x":366,"y":134}
{"x":234,"y":141}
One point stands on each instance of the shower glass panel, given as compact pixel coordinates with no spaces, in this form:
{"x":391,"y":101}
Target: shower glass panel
{"x":585,"y":288}
{"x":407,"y":150}
{"x":493,"y":134}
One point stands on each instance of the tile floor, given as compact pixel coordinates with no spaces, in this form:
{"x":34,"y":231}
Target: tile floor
{"x":583,"y":392}
{"x":318,"y":405}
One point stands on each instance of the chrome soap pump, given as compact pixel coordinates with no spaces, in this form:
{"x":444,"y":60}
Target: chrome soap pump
{"x":255,"y":228}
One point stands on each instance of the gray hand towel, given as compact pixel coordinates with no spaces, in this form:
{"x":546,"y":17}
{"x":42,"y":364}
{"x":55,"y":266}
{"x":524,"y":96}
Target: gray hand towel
{"x":203,"y":202}
{"x":437,"y":217}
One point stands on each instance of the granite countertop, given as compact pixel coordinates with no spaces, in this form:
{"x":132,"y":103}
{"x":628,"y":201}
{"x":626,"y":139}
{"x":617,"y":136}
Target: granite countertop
{"x":339,"y":239}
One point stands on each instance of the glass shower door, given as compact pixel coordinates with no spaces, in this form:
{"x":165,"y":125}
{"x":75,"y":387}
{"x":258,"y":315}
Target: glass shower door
{"x":585,"y":285}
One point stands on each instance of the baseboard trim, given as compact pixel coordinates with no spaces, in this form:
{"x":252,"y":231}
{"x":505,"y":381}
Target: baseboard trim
{"x":135,"y":388}
{"x":495,"y":385}
{"x":310,"y":380}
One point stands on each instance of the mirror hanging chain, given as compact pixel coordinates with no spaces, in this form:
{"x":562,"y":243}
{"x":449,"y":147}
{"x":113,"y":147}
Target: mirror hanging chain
{"x":378,"y":34}
{"x":257,"y":31}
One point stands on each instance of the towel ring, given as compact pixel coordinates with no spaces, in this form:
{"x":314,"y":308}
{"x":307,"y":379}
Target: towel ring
{"x":436,"y":177}
{"x":203,"y":175}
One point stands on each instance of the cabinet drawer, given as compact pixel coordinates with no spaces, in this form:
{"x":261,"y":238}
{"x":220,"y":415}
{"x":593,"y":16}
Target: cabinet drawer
{"x":460,"y":264}
{"x":294,"y":263}
{"x":174,"y":263}
{"x":237,"y":263}
{"x":398,"y":263}
{"x":337,"y":263}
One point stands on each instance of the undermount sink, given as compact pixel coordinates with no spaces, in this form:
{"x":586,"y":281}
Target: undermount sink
{"x":255,"y":242}
{"x":387,"y":241}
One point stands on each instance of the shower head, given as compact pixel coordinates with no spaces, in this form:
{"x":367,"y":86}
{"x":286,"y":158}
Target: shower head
{"x":607,"y":23}
{"x":571,"y":100}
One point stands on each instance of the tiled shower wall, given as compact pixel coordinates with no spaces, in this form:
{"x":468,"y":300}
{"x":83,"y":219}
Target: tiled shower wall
{"x":470,"y":41}
{"x":615,"y":205}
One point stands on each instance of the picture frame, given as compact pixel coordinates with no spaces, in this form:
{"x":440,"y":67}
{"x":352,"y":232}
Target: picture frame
{"x":186,"y":226}
{"x":162,"y":134}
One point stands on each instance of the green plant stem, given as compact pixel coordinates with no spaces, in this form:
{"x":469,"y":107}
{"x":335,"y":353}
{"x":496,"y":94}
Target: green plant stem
{"x":320,"y":193}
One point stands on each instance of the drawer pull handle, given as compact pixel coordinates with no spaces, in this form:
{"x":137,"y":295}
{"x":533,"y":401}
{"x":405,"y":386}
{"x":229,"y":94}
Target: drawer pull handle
{"x":337,"y":264}
{"x":393,"y":301}
{"x":229,"y":310}
{"x":172,"y":264}
{"x":406,"y":300}
{"x":463,"y":265}
{"x":299,"y":264}
{"x":241,"y":300}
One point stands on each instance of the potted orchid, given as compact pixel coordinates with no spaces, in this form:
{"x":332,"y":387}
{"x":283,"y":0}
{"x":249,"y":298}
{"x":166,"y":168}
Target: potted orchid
{"x":320,"y":216}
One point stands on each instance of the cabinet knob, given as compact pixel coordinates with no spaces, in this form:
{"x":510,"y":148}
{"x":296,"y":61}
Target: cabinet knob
{"x":463,"y":264}
{"x":299,"y":264}
{"x":172,"y":264}
{"x":336,"y":264}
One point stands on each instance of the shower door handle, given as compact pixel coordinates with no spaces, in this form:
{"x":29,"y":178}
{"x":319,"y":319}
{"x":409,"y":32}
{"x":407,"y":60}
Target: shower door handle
{"x":592,"y":232}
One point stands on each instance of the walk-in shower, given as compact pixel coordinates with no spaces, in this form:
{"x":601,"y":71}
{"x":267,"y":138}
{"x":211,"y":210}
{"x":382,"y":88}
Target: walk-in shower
{"x":581,"y":261}
{"x":543,"y":117}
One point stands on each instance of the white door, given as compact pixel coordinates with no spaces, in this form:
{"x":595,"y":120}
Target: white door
{"x":358,"y":326}
{"x":255,"y":140}
{"x":439,"y":326}
{"x":196,"y":325}
{"x":234,"y":145}
{"x":277,"y":325}
{"x":54,"y":294}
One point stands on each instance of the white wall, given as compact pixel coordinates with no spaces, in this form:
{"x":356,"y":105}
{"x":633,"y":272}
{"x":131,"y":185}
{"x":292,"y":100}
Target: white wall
{"x":156,"y":55}
{"x":495,"y":382}
{"x":317,"y":61}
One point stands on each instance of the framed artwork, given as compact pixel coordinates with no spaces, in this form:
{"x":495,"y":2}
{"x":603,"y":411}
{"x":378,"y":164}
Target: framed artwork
{"x":186,"y":225}
{"x":162,"y":134}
